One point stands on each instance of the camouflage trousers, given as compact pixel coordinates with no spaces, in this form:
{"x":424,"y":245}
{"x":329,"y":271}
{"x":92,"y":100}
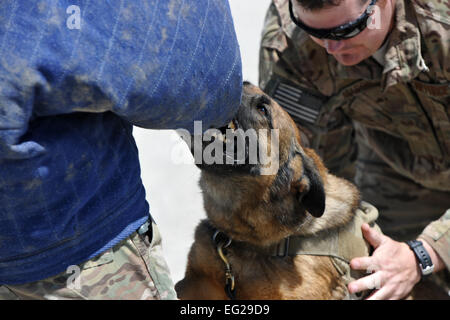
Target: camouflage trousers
{"x":134,"y":269}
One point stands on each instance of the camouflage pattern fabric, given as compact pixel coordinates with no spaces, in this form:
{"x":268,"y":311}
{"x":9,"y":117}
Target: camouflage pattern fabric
{"x":134,"y":269}
{"x":385,"y":126}
{"x":407,"y":207}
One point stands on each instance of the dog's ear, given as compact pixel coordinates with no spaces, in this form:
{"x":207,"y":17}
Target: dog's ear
{"x":314,"y":199}
{"x":310,"y":190}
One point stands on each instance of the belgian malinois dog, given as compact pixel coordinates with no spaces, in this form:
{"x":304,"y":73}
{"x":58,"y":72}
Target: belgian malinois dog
{"x":285,"y":234}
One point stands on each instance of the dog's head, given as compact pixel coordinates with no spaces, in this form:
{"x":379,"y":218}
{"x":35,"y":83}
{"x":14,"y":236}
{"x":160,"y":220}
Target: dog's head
{"x":266,"y":186}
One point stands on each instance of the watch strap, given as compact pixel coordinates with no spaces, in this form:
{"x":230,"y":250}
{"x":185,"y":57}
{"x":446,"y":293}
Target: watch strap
{"x":424,"y":259}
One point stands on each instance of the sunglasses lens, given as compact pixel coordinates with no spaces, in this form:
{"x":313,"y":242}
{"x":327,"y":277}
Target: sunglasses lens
{"x":348,"y":34}
{"x":344,"y":32}
{"x":354,"y":33}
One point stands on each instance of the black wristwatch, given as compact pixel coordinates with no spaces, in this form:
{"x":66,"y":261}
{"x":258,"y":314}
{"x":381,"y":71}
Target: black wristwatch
{"x":425,"y":263}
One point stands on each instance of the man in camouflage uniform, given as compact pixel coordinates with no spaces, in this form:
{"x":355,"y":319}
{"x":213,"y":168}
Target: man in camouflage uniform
{"x":134,"y":269}
{"x":383,"y":120}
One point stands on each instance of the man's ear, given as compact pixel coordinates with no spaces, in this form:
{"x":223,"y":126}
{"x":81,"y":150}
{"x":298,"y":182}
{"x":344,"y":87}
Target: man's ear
{"x":311,"y":193}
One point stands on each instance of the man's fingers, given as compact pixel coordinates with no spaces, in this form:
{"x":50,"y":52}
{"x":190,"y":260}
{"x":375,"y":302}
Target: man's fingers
{"x":372,"y":236}
{"x":363,"y":263}
{"x":367,"y":283}
{"x":381,"y":294}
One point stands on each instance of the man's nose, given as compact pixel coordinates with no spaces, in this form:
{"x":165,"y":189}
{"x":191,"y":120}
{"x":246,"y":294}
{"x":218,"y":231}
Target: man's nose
{"x":333,"y":46}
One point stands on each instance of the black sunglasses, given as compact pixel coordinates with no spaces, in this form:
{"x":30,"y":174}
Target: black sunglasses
{"x":343,"y":32}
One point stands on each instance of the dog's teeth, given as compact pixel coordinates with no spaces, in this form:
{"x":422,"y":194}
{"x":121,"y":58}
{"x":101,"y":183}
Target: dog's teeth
{"x":231,"y":125}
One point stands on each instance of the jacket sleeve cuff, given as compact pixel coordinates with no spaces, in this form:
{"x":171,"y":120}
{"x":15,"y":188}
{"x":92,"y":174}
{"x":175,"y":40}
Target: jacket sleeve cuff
{"x":437,"y":235}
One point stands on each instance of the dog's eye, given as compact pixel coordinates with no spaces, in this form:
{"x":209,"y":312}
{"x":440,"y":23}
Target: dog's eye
{"x":262,"y":109}
{"x":262,"y":104}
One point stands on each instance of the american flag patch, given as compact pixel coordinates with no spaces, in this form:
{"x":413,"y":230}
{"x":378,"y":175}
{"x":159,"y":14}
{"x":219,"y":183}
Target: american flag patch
{"x":301,"y":105}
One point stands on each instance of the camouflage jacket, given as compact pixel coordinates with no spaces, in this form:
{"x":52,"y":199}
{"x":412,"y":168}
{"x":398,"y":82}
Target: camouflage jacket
{"x":402,"y":109}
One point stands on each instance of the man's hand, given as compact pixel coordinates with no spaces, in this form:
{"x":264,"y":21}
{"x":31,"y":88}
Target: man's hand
{"x":394,"y":267}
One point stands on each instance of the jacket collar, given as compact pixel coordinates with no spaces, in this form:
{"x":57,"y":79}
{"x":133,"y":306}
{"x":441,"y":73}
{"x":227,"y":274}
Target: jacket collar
{"x":404,"y":60}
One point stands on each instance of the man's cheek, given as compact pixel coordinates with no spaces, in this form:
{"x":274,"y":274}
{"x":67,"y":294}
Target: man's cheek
{"x":320,"y":42}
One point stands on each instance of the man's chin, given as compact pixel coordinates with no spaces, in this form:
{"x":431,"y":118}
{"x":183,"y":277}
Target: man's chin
{"x":349,"y":60}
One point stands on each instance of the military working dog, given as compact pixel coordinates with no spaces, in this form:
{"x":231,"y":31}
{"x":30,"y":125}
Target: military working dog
{"x":286,"y":235}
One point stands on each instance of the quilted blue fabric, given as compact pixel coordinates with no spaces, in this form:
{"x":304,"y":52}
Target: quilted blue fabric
{"x":75,"y":76}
